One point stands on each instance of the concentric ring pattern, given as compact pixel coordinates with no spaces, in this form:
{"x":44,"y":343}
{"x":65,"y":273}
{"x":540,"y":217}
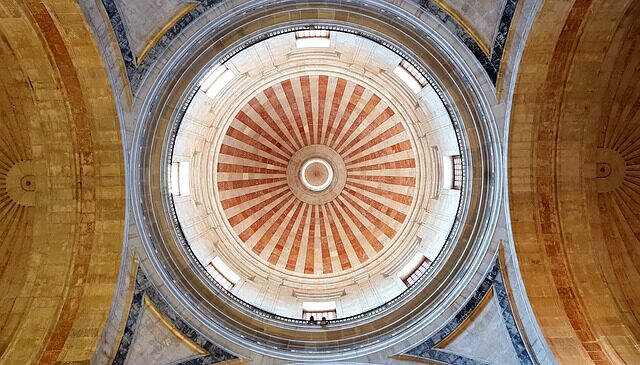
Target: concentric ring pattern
{"x":310,"y":114}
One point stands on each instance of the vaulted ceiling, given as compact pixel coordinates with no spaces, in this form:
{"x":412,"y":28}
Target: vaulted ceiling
{"x":61,"y":185}
{"x":565,"y":100}
{"x":573,"y":179}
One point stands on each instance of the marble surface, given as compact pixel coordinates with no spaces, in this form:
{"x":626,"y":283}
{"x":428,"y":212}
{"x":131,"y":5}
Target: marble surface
{"x":490,"y":63}
{"x":484,"y":337}
{"x":494,"y":280}
{"x":136,"y":72}
{"x":143,"y":288}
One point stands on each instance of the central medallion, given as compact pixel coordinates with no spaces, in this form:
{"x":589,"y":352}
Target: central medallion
{"x":316,"y":174}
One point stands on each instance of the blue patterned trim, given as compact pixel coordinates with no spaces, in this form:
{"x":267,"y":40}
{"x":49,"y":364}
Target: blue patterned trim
{"x":143,"y":287}
{"x":490,"y":63}
{"x":135,"y":72}
{"x":494,"y":279}
{"x":501,"y":36}
{"x":449,"y":358}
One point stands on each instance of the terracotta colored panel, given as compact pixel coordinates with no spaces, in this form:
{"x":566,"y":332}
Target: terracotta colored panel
{"x":338,"y":92}
{"x":292,"y":260}
{"x":396,"y":129}
{"x":368,"y":131}
{"x":253,"y":228}
{"x":266,"y":237}
{"x":246,"y":120}
{"x":284,"y":119}
{"x":356,"y":95}
{"x":364,"y":114}
{"x":266,"y":118}
{"x":322,"y":96}
{"x":293,"y":106}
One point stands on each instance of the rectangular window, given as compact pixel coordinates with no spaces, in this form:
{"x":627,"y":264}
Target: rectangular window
{"x":179,"y":178}
{"x":414,"y":72}
{"x":313,"y":38}
{"x":216,"y":79}
{"x":319,"y":310}
{"x":222,"y":273}
{"x":452,"y":172}
{"x":457,"y":172}
{"x":415,"y":269}
{"x":411,"y":76}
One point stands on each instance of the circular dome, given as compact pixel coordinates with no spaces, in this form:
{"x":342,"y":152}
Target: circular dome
{"x":316,"y":174}
{"x":214,"y":278}
{"x":312,"y":180}
{"x":312,"y":177}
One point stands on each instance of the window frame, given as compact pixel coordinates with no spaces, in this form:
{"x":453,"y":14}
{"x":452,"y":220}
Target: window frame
{"x":313,"y":38}
{"x":417,"y":273}
{"x":456,"y":162}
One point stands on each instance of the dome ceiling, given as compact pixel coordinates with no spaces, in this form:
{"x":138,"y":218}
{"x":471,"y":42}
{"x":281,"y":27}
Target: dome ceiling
{"x":316,"y":174}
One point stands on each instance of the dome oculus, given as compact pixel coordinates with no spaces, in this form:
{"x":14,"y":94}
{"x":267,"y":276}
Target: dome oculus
{"x":316,"y":174}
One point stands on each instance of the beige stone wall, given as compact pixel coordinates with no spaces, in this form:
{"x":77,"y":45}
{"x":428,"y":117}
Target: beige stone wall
{"x":62,"y":207}
{"x":573,"y":178}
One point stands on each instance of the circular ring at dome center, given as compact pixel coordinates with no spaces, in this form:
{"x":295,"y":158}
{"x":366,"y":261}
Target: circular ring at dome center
{"x":316,"y":174}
